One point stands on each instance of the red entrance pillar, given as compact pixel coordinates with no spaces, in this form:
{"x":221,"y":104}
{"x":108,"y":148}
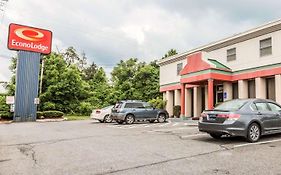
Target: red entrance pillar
{"x":210,"y":94}
{"x":182,"y":99}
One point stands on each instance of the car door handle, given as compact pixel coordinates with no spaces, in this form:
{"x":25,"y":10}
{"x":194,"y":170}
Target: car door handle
{"x":259,"y":113}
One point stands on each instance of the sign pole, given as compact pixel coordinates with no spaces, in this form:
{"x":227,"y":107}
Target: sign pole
{"x":27,"y":81}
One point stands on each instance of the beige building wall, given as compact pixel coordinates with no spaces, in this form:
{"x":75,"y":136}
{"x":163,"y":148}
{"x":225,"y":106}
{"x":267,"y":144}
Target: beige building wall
{"x":278,"y":88}
{"x":164,"y":96}
{"x":168,"y":73}
{"x":227,"y":88}
{"x":170,"y":101}
{"x":177,"y":97}
{"x":188,"y":102}
{"x":197,"y":101}
{"x":260,"y":87}
{"x":206,"y":97}
{"x":248,"y":54}
{"x":243,"y":89}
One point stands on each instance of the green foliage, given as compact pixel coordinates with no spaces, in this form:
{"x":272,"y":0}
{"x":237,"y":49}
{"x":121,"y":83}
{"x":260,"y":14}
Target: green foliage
{"x":158,"y":103}
{"x":171,"y":52}
{"x":39,"y":115}
{"x":73,"y":87}
{"x":135,"y":80}
{"x":177,"y":111}
{"x":63,"y":87}
{"x":53,"y":114}
{"x":6,"y":115}
{"x":85,"y":108}
{"x":3,"y":105}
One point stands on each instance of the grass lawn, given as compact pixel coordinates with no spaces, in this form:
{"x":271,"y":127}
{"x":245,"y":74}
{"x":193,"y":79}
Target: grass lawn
{"x":76,"y":117}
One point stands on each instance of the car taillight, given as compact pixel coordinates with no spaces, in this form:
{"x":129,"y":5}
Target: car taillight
{"x":229,"y":116}
{"x":201,"y":116}
{"x":98,"y":111}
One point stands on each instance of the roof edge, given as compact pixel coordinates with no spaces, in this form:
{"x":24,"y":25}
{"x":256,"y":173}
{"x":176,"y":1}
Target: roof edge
{"x":237,"y":35}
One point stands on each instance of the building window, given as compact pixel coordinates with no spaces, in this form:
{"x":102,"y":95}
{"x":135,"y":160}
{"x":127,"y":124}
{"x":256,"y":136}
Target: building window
{"x":179,"y":68}
{"x":231,"y":54}
{"x":265,"y":47}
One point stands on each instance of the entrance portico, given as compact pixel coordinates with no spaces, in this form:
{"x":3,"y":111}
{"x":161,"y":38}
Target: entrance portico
{"x":202,"y":74}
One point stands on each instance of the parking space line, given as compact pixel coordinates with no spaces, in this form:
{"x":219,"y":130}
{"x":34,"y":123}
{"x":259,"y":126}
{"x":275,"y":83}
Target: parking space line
{"x":174,"y":129}
{"x":175,"y":124}
{"x":164,"y":124}
{"x":193,"y":135}
{"x":257,"y":143}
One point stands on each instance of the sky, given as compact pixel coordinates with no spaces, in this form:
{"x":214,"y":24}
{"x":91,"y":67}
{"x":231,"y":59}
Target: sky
{"x":111,"y":30}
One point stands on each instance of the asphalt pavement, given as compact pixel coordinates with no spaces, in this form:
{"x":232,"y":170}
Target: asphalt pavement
{"x":89,"y":147}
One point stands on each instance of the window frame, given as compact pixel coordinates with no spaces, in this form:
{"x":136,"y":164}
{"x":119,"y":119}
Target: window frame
{"x":179,"y":69}
{"x":267,"y":106}
{"x":275,"y":105}
{"x":230,"y":54}
{"x":262,"y":48}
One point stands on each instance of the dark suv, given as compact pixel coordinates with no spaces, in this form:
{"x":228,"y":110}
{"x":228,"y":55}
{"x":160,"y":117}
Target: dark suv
{"x":130,"y":111}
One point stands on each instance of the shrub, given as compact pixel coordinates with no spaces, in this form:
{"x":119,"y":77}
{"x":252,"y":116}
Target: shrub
{"x":85,"y":108}
{"x":53,"y":114}
{"x":158,"y":103}
{"x":48,"y":106}
{"x":3,"y":105}
{"x":177,"y":110}
{"x":39,"y":115}
{"x":6,"y":115}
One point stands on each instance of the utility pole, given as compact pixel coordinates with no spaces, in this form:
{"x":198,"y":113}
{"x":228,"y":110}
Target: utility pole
{"x":41,"y":77}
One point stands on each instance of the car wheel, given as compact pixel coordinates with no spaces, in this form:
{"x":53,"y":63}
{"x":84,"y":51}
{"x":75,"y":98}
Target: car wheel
{"x":151,"y":121}
{"x":161,"y":118}
{"x":130,"y":119}
{"x":107,"y":119}
{"x":254,"y":133}
{"x":120,"y":121}
{"x":215,"y":136}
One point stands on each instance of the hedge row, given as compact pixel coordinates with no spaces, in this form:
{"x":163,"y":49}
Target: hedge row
{"x":6,"y":115}
{"x":51,"y":114}
{"x":40,"y":115}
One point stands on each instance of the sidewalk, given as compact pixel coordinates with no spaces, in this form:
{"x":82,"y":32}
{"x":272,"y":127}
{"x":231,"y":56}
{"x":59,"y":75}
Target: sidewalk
{"x":188,"y":121}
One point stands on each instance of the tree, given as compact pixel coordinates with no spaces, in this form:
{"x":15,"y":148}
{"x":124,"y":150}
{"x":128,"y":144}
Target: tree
{"x":11,"y":86}
{"x":89,"y":72}
{"x":135,"y":80}
{"x":171,"y":52}
{"x":63,"y":87}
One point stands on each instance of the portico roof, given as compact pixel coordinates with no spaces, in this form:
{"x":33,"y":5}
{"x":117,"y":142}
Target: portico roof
{"x":199,"y":68}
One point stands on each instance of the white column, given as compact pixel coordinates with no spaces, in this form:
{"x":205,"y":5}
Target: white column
{"x":227,"y":91}
{"x":177,"y":96}
{"x":260,"y":87}
{"x":170,"y":100}
{"x":278,"y":88}
{"x":164,"y":96}
{"x":242,"y":89}
{"x":206,"y":97}
{"x":188,"y":102}
{"x":197,"y":101}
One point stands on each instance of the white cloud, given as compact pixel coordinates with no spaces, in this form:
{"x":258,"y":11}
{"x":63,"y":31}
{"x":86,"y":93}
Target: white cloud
{"x":110,"y":30}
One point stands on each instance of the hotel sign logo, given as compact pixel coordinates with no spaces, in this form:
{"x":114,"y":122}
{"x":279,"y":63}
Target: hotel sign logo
{"x":29,"y":39}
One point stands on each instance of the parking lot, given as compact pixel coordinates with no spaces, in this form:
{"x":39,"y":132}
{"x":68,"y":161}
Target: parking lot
{"x":89,"y":147}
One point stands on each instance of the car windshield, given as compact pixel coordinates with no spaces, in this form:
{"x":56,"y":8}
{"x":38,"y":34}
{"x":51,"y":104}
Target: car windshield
{"x":232,"y":105}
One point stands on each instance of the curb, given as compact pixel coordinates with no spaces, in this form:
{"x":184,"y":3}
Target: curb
{"x":51,"y":120}
{"x":6,"y":122}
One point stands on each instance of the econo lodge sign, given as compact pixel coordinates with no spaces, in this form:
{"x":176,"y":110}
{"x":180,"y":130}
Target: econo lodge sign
{"x":29,"y":39}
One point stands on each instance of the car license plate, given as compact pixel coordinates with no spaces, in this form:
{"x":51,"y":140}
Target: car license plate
{"x":211,"y":117}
